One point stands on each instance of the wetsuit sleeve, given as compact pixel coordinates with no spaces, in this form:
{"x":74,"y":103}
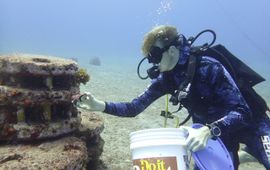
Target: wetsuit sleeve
{"x":227,"y":95}
{"x":137,"y":105}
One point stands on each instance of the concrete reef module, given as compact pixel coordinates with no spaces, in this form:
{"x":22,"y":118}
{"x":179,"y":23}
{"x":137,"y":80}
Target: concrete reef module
{"x":35,"y":96}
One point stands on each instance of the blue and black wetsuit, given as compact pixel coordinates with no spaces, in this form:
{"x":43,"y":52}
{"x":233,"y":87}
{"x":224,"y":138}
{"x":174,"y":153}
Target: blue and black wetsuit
{"x":213,"y":98}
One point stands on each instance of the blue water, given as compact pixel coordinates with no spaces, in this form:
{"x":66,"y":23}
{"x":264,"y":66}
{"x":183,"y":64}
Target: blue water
{"x":114,"y":30}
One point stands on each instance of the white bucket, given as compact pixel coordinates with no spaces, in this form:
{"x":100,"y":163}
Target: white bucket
{"x":159,"y":149}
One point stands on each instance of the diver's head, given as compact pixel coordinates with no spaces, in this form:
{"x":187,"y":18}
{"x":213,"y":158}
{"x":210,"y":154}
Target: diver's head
{"x":161,"y":48}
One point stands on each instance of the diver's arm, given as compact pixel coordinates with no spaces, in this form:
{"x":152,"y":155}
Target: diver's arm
{"x":227,"y":95}
{"x":137,"y":105}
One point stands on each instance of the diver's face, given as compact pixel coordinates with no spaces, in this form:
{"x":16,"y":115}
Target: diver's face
{"x":169,"y":59}
{"x":164,"y":57}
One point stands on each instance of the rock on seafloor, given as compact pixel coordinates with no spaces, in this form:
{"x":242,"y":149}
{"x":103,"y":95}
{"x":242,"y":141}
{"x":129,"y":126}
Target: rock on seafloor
{"x":74,"y":151}
{"x":95,"y":61}
{"x":66,"y":153}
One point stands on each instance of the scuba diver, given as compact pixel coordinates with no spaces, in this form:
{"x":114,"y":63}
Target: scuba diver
{"x":202,"y":84}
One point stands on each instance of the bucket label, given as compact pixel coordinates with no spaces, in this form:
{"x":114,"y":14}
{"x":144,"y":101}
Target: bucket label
{"x":159,"y":163}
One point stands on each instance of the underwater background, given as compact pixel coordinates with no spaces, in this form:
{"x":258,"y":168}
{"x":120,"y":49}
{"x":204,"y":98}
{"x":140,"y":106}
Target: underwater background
{"x":113,"y":31}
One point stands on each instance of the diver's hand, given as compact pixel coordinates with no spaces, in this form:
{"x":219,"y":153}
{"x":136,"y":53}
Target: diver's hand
{"x":88,"y":102}
{"x":197,"y":138}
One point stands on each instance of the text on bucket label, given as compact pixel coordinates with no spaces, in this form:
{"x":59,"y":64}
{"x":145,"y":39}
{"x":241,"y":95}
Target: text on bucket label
{"x":159,"y":163}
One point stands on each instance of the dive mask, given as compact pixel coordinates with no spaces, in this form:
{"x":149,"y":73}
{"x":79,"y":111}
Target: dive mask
{"x":155,"y":54}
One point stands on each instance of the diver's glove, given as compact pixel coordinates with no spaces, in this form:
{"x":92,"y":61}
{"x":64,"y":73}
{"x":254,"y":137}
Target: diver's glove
{"x":197,"y":138}
{"x":88,"y":102}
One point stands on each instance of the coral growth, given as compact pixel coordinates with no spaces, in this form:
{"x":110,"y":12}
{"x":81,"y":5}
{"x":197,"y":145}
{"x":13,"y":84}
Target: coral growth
{"x":82,"y":76}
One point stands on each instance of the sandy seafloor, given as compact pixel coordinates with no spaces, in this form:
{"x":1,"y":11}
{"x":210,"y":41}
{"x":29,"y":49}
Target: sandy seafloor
{"x":119,"y":82}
